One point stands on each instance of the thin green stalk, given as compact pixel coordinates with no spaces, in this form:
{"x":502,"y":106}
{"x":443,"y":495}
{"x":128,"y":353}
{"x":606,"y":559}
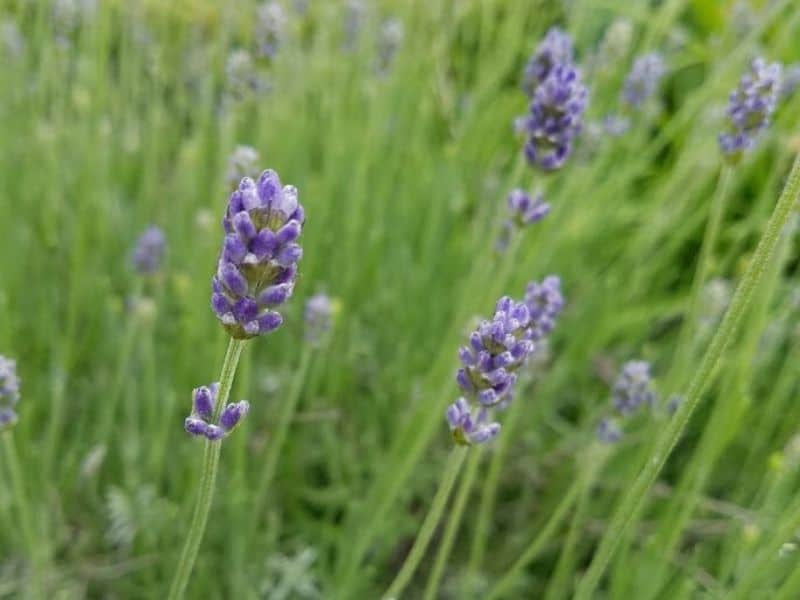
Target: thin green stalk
{"x":685,"y":348}
{"x":486,"y":505}
{"x":289,"y":407}
{"x":25,"y":522}
{"x":633,"y":500}
{"x":453,"y":523}
{"x":207,"y":479}
{"x":451,"y":470}
{"x":537,"y":544}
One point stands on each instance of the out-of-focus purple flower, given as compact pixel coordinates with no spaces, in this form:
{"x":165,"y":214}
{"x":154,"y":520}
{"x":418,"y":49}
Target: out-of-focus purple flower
{"x":545,"y":303}
{"x":242,"y":79}
{"x":354,"y":14}
{"x":200,"y":422}
{"x":148,"y":254}
{"x":270,"y":29}
{"x":643,"y":79}
{"x":791,"y":80}
{"x":526,"y":209}
{"x":633,"y":387}
{"x":555,"y":118}
{"x":12,"y":42}
{"x":390,"y":38}
{"x":468,"y":429}
{"x":554,"y":49}
{"x":258,"y":262}
{"x":750,"y":107}
{"x":243,"y":162}
{"x":318,"y":317}
{"x":616,"y":125}
{"x":9,"y":392}
{"x":608,"y":431}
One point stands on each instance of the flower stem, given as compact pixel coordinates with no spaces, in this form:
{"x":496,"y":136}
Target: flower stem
{"x":207,"y":479}
{"x":25,"y":521}
{"x":631,"y":503}
{"x":430,"y":523}
{"x":289,"y":407}
{"x":445,"y":547}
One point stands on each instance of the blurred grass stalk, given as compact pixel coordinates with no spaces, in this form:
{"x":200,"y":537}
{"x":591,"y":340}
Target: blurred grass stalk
{"x":629,"y":507}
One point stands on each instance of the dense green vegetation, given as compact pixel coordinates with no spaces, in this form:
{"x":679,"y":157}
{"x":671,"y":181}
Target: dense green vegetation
{"x":399,"y":138}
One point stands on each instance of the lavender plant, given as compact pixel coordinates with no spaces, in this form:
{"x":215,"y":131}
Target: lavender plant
{"x":255,"y":273}
{"x":148,"y":253}
{"x":750,"y":108}
{"x":643,"y":79}
{"x":555,"y":117}
{"x":270,"y":31}
{"x":554,"y":49}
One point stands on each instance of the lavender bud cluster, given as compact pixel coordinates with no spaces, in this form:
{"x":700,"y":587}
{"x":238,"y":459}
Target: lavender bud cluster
{"x":258,"y":263}
{"x":555,"y":117}
{"x":633,"y":387}
{"x":243,"y":162}
{"x":148,"y":254}
{"x":643,"y":79}
{"x":554,"y":49}
{"x":318,"y":317}
{"x":200,"y":422}
{"x":496,"y":351}
{"x":9,"y":392}
{"x":750,"y":107}
{"x":270,"y":29}
{"x":390,"y":38}
{"x":526,"y":209}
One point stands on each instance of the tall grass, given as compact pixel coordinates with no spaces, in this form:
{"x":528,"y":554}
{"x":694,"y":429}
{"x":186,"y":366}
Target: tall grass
{"x":128,"y":119}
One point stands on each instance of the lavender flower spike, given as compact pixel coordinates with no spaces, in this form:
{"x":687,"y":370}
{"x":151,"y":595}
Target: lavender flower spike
{"x":545,"y":303}
{"x":643,"y":79}
{"x":270,"y":28}
{"x":200,"y":422}
{"x":258,"y":262}
{"x":608,"y":431}
{"x":148,"y":254}
{"x":750,"y":107}
{"x":554,"y":49}
{"x":318,"y":316}
{"x":555,"y":118}
{"x":633,"y":387}
{"x":9,"y":392}
{"x":526,"y":210}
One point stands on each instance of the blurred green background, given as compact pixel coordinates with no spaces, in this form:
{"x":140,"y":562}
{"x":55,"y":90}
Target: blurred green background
{"x":394,"y":120}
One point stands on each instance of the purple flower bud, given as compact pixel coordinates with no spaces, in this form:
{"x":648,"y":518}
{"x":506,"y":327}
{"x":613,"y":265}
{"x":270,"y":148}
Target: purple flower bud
{"x":643,"y":79}
{"x":214,"y":432}
{"x":633,"y":387}
{"x":466,"y":429}
{"x":258,"y":261}
{"x":526,"y":210}
{"x":554,"y":49}
{"x":148,"y":254}
{"x":204,"y":400}
{"x":318,"y":317}
{"x":195,"y":426}
{"x":608,"y":431}
{"x":233,"y":414}
{"x":270,"y":29}
{"x":750,"y":108}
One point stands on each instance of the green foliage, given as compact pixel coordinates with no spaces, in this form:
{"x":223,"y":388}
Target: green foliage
{"x":128,"y":118}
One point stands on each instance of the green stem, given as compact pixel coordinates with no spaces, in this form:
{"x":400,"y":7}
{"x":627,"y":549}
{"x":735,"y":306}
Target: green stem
{"x":453,"y":523}
{"x":633,"y":500}
{"x":486,"y":505}
{"x":289,"y":407}
{"x":430,"y":523}
{"x":207,"y":478}
{"x":23,"y":508}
